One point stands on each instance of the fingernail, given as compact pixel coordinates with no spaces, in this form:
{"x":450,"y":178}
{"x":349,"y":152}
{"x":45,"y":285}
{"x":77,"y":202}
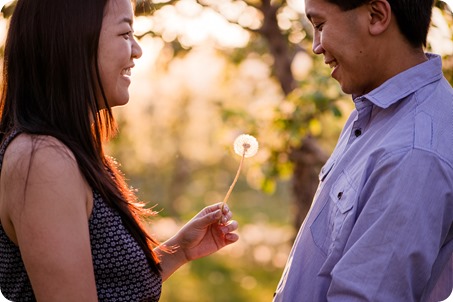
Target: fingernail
{"x":229,"y":236}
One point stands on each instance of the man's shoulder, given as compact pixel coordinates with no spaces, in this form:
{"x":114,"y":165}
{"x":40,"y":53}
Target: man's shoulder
{"x":434,"y":119}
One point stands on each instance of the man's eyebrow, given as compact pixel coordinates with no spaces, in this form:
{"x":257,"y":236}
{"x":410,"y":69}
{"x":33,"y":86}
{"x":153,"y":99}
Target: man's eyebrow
{"x":311,"y":15}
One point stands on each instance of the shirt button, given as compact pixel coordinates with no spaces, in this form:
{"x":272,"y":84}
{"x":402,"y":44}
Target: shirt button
{"x":340,"y":194}
{"x":358,"y":132}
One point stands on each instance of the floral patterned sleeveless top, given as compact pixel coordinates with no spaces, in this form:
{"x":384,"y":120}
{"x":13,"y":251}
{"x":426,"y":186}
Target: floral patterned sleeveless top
{"x":121,"y":269}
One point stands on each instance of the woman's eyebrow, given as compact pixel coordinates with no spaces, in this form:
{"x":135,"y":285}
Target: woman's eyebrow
{"x":126,"y":20}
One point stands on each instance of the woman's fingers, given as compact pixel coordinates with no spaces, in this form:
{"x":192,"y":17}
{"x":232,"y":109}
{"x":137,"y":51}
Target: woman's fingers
{"x":231,"y":226}
{"x":226,"y":209}
{"x":231,"y":237}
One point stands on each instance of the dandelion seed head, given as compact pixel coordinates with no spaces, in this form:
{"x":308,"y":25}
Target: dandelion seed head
{"x":245,"y":145}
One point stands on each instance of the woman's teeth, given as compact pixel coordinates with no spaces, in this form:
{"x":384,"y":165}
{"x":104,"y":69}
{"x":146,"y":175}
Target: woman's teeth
{"x":126,"y":72}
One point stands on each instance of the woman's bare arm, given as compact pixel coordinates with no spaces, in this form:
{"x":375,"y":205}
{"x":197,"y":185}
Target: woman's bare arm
{"x":45,"y":204}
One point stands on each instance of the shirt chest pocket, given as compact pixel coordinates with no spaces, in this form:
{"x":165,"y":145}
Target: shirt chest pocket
{"x":328,"y":229}
{"x":343,"y":194}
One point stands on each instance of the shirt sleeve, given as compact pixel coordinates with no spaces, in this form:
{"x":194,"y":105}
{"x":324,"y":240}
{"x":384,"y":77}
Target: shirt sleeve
{"x":402,"y":233}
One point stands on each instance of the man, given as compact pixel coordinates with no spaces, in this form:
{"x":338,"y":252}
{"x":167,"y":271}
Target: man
{"x":381,"y":224}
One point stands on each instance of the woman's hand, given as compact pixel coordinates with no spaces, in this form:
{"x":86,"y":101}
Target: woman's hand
{"x":207,"y":232}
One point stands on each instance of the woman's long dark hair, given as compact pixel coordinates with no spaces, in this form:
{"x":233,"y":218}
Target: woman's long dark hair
{"x":50,"y":77}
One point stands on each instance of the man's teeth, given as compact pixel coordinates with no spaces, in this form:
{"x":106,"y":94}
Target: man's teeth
{"x":333,"y":64}
{"x":126,"y":72}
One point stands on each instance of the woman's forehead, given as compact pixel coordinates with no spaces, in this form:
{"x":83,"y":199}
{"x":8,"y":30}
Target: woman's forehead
{"x":118,"y":11}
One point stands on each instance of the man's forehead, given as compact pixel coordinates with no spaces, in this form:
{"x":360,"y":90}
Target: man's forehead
{"x":315,"y":8}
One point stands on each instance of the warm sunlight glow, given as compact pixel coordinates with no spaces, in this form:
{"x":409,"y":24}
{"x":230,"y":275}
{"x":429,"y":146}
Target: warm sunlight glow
{"x":3,"y":29}
{"x":143,"y":24}
{"x":449,"y":3}
{"x":232,"y":10}
{"x":4,"y":2}
{"x":297,"y":5}
{"x":193,"y":25}
{"x":440,"y":34}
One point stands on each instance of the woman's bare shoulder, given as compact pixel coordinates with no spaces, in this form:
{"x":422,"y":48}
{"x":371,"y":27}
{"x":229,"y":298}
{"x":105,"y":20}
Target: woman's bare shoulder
{"x":40,"y":164}
{"x":37,"y":158}
{"x":41,"y":173}
{"x":25,"y":148}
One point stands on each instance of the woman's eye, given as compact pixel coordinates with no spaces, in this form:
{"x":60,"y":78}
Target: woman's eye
{"x":127,"y":35}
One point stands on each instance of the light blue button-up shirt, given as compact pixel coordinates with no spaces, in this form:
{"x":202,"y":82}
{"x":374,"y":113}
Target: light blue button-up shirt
{"x":381,"y":224}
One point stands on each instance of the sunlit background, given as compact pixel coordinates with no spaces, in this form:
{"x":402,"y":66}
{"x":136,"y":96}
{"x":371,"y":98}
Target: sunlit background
{"x":209,"y":73}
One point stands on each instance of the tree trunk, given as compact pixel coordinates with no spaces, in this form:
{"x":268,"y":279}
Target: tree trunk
{"x":308,"y":160}
{"x":309,"y":157}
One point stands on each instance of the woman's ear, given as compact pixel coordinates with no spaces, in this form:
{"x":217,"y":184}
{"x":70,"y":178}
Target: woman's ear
{"x":380,"y":16}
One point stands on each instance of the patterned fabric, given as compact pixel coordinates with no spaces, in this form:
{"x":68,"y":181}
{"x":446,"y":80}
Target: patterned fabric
{"x":120,"y":266}
{"x":14,"y":282}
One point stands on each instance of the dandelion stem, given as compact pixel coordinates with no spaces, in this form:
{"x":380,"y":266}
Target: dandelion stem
{"x":234,"y":181}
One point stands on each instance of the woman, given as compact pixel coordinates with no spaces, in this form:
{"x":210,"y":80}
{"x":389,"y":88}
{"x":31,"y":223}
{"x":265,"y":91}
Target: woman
{"x":70,"y":226}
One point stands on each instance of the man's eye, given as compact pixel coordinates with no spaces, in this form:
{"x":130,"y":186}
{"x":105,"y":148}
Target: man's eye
{"x":318,"y":27}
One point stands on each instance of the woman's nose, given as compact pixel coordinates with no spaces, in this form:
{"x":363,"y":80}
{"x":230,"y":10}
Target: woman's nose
{"x":136,"y":50}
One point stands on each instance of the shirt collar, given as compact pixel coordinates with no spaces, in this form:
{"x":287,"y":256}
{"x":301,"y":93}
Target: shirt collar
{"x":405,"y":83}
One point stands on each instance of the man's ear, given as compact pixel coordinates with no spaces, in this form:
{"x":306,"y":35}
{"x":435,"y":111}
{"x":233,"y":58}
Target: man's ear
{"x":380,"y":16}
